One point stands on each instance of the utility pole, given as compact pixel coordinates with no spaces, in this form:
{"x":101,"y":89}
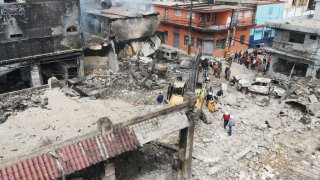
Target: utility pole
{"x":235,"y":23}
{"x":190,"y":29}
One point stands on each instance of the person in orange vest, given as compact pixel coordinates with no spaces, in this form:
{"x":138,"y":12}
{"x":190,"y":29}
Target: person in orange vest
{"x":226,"y":118}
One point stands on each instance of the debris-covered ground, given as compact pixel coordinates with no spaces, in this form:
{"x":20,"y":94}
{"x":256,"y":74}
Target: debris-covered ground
{"x":273,"y":137}
{"x":12,"y":104}
{"x":275,"y":140}
{"x":62,"y":118}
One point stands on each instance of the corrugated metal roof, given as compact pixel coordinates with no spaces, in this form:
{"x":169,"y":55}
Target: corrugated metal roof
{"x":72,"y":157}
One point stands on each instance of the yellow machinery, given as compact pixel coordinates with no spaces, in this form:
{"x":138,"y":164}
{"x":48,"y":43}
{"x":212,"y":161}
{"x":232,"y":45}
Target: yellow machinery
{"x":177,"y":93}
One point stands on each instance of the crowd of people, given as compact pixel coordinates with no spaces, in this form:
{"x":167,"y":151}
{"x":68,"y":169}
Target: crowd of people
{"x":253,"y":60}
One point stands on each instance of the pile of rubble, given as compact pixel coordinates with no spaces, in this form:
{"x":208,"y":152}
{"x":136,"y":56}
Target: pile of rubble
{"x":11,"y":104}
{"x":136,"y":74}
{"x":132,"y":76}
{"x":304,"y":93}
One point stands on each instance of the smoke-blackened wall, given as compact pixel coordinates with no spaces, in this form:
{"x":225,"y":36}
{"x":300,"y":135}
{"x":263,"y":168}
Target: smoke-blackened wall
{"x":39,"y":27}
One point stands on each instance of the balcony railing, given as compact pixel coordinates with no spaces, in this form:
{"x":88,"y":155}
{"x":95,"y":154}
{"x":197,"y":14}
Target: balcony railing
{"x":207,"y":26}
{"x":214,"y":26}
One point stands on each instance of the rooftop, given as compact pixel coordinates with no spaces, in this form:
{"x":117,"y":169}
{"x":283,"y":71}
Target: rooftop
{"x":200,"y":7}
{"x":115,"y":12}
{"x":63,"y":118}
{"x":253,"y":2}
{"x":303,"y":24}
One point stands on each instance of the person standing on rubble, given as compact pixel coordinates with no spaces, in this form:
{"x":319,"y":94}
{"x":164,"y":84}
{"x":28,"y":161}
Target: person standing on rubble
{"x":215,"y":69}
{"x":226,"y":118}
{"x":160,"y":99}
{"x":265,"y":58}
{"x":169,"y":91}
{"x":180,"y":77}
{"x":226,"y":71}
{"x":235,"y":57}
{"x":268,"y":63}
{"x":230,"y":125}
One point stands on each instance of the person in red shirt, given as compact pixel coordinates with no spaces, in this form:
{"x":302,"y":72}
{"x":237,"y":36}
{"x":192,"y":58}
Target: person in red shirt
{"x":226,"y":118}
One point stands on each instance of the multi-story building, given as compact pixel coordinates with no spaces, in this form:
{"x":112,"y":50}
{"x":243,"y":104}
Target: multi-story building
{"x":263,"y":11}
{"x":38,"y":39}
{"x":212,"y":26}
{"x":296,"y":8}
{"x":296,"y":45}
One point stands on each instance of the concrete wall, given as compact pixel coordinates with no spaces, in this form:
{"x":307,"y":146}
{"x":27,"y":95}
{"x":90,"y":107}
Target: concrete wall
{"x":269,"y":12}
{"x":306,"y":53}
{"x":39,"y":27}
{"x":281,"y":41}
{"x":317,"y":11}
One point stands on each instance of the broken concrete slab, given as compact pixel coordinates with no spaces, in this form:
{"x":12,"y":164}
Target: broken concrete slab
{"x":305,"y":119}
{"x":53,"y":83}
{"x":313,"y":98}
{"x":185,"y":64}
{"x":274,"y":123}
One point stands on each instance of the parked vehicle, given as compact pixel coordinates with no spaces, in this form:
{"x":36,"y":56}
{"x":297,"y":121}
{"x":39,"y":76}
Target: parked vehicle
{"x":264,"y":86}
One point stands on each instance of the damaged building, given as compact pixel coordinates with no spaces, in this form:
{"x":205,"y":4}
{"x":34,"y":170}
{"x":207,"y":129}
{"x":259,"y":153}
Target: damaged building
{"x":117,"y":32}
{"x":42,"y":39}
{"x":38,"y":40}
{"x":295,"y":49}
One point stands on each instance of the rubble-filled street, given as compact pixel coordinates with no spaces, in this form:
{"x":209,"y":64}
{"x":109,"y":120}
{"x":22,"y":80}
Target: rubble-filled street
{"x":269,"y":141}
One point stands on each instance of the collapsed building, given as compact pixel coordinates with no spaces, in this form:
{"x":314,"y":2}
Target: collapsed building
{"x":295,"y":49}
{"x":118,"y":32}
{"x":41,"y":39}
{"x":38,"y":40}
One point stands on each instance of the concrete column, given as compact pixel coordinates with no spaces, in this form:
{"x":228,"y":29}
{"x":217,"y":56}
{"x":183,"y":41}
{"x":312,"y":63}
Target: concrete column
{"x":185,"y":150}
{"x":310,"y":71}
{"x":81,"y":67}
{"x":110,"y":172}
{"x":36,"y":79}
{"x":113,"y":63}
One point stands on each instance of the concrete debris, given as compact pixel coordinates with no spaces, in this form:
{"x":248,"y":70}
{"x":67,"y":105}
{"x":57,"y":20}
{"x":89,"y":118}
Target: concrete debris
{"x":54,"y":83}
{"x":11,"y":104}
{"x":313,"y":98}
{"x":274,"y":123}
{"x":185,"y":64}
{"x":305,"y":119}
